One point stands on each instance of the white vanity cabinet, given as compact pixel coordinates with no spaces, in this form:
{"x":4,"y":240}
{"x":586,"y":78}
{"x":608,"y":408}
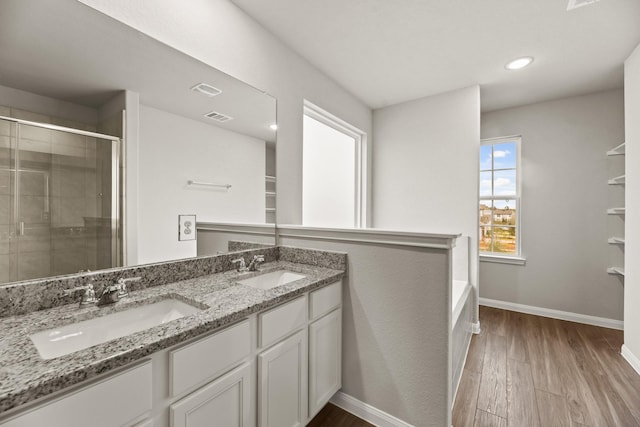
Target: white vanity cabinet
{"x":282,"y":378}
{"x":276,"y":368}
{"x":298,"y":375}
{"x":325,"y":345}
{"x":282,"y":367}
{"x":223,"y":402}
{"x":325,"y":360}
{"x":114,"y":401}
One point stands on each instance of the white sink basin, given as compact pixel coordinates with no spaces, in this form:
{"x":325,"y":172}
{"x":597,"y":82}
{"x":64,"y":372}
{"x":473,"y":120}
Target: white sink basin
{"x":67,"y":339}
{"x":273,"y":279}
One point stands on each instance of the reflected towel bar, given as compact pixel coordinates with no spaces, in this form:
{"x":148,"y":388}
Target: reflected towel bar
{"x":208,"y":184}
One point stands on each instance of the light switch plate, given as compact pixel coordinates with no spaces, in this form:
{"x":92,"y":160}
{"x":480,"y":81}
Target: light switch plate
{"x":186,"y":227}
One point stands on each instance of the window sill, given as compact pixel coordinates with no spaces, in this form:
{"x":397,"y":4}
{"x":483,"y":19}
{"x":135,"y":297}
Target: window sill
{"x":513,"y":260}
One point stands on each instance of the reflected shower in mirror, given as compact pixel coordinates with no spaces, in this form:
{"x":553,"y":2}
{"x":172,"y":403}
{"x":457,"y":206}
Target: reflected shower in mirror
{"x":108,"y":136}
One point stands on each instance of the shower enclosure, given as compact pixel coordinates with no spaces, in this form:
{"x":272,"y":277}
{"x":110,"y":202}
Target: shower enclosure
{"x":59,"y":200}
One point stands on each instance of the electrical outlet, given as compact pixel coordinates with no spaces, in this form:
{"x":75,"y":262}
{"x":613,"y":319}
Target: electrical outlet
{"x":186,"y":227}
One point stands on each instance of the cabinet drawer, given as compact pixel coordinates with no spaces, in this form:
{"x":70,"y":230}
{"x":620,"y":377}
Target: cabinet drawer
{"x":208,"y":358}
{"x":114,"y":401}
{"x":280,"y":321}
{"x":324,"y":300}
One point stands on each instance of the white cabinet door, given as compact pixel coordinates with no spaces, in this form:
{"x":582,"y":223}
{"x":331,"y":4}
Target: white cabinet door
{"x":223,"y":402}
{"x":282,"y":376}
{"x":113,"y":401}
{"x":325,"y":360}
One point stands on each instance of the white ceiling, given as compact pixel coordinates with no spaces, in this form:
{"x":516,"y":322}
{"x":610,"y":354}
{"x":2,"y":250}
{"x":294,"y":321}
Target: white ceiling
{"x":390,"y":51}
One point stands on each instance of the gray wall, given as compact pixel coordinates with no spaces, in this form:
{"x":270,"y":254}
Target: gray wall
{"x":565,"y":197}
{"x":632,"y":232}
{"x":425,"y":167}
{"x":396,"y":328}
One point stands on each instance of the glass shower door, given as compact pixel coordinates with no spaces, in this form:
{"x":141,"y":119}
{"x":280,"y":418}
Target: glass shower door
{"x":62,"y":202}
{"x":7,"y":228}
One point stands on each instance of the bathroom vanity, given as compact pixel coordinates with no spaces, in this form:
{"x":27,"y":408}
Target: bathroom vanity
{"x":266,"y":353}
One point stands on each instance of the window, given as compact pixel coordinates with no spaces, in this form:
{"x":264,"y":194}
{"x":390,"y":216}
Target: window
{"x":332,"y":171}
{"x":499,"y":210}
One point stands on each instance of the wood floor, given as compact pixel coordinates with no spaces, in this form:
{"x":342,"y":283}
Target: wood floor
{"x":332,"y":416}
{"x":525,"y":370}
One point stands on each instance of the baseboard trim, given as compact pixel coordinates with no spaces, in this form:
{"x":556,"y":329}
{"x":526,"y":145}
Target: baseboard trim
{"x":365,"y":411}
{"x":475,"y":328}
{"x":554,"y":314}
{"x":630,"y":358}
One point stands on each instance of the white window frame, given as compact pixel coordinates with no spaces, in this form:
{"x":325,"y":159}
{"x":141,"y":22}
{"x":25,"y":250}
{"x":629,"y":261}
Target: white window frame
{"x":500,"y":257}
{"x":313,"y":111}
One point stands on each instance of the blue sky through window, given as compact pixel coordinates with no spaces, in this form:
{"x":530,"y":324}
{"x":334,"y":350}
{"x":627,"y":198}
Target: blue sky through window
{"x":496,"y":157}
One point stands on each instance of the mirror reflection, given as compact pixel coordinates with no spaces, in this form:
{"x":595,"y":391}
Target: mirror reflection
{"x":107,"y":136}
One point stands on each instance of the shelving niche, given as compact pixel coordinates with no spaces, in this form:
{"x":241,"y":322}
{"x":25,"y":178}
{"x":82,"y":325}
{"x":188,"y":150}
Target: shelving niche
{"x":618,"y":211}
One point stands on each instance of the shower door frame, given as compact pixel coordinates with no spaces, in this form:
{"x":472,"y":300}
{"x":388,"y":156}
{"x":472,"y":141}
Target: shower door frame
{"x":117,"y":247}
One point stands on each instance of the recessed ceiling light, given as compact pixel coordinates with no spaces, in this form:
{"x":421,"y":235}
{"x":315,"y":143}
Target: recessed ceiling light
{"x":273,"y":127}
{"x":519,"y":63}
{"x":206,"y":89}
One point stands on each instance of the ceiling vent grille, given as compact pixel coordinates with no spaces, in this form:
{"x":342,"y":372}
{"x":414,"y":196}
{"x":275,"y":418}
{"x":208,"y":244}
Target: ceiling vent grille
{"x":574,"y":4}
{"x":218,"y":117}
{"x":206,"y":89}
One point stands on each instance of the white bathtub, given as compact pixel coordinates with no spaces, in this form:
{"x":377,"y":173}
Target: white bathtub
{"x":461,"y":326}
{"x":459,"y":293}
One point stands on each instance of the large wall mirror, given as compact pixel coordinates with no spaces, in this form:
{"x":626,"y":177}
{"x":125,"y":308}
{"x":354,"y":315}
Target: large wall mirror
{"x":108,"y":138}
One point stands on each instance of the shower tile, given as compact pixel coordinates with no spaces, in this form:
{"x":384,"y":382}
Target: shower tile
{"x":90,"y":183}
{"x":92,"y":148}
{"x":68,"y":211}
{"x":4,"y":268}
{"x":5,"y":141}
{"x":5,"y":239}
{"x":32,"y":183}
{"x":65,"y":262}
{"x":32,"y":210}
{"x":5,"y":125}
{"x":35,"y":159}
{"x":34,"y":145}
{"x":34,"y":265}
{"x":68,"y":241}
{"x":5,"y":209}
{"x":68,"y":144}
{"x":63,"y":161}
{"x":28,"y":115}
{"x":67,"y":182}
{"x":5,"y":181}
{"x":41,"y":242}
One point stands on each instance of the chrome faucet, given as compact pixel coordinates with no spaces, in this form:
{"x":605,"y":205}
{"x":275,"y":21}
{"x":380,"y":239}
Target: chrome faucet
{"x":88,"y":294}
{"x":110,"y":294}
{"x":257,"y":260}
{"x":240,"y":265}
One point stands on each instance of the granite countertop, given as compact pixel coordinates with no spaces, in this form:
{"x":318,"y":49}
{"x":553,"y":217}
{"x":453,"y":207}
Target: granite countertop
{"x":24,"y":376}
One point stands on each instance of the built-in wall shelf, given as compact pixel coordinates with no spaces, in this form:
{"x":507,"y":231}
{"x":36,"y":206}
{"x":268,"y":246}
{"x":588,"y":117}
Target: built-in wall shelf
{"x":270,"y":198}
{"x":616,"y":270}
{"x":616,"y":211}
{"x":617,"y":151}
{"x":618,"y":180}
{"x":616,"y":240}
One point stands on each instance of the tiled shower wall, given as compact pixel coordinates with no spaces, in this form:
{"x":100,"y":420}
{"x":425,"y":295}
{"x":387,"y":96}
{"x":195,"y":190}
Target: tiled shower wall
{"x":61,"y":197}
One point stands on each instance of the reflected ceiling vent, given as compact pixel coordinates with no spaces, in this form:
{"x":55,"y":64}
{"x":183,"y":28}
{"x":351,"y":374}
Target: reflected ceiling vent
{"x":206,"y":89}
{"x":218,"y":117}
{"x":574,"y":4}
